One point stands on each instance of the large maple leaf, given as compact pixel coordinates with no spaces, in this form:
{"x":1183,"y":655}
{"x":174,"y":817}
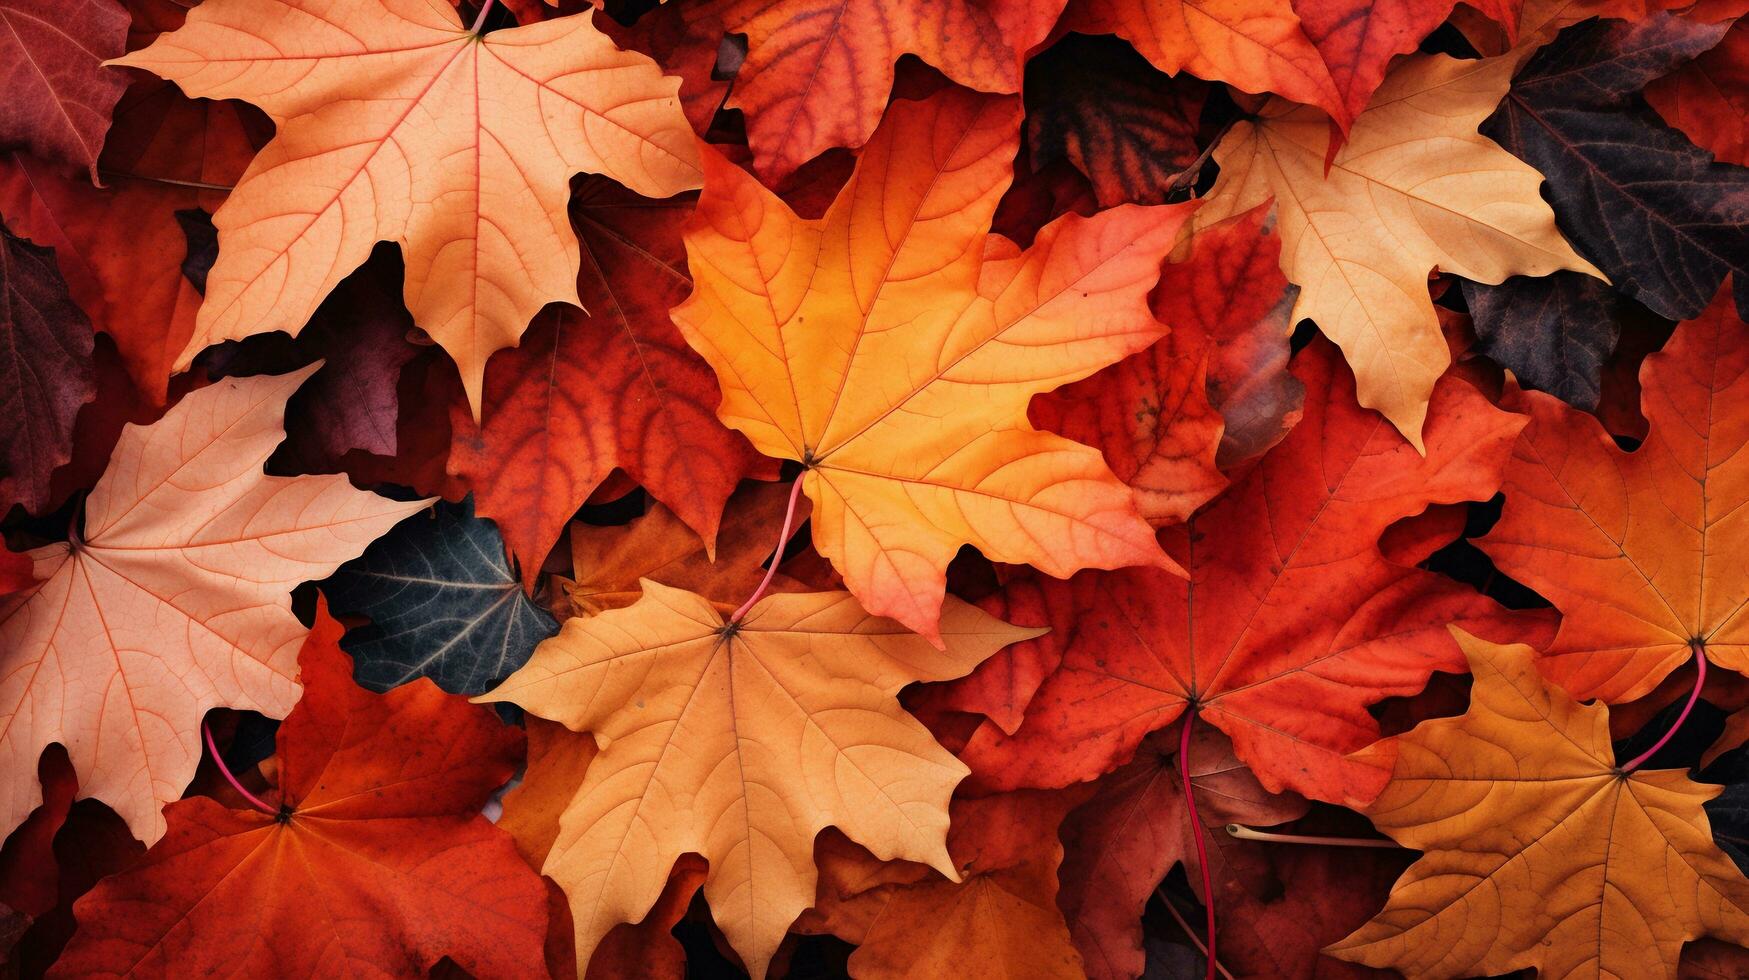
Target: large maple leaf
{"x":58,"y":94}
{"x":892,"y":347}
{"x":1539,"y":851}
{"x":378,"y":863}
{"x":818,"y":72}
{"x":1292,"y":622}
{"x":1415,"y":188}
{"x":397,"y":124}
{"x":614,"y":387}
{"x":741,"y":743}
{"x":1640,"y":551}
{"x":183,"y":569}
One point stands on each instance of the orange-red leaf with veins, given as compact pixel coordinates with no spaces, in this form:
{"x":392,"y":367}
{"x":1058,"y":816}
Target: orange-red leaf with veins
{"x":1708,"y":98}
{"x":1292,"y":623}
{"x":613,"y":387}
{"x":378,"y":865}
{"x":1642,"y":551}
{"x":819,"y":72}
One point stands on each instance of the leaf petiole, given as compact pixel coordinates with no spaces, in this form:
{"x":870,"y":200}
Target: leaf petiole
{"x":219,"y":760}
{"x":789,"y":516}
{"x":1693,"y":696}
{"x":480,"y":21}
{"x":1202,"y":854}
{"x":1178,"y":917}
{"x":1243,"y":832}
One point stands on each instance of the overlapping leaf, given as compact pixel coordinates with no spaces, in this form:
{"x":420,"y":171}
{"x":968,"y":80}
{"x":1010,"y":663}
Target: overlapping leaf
{"x":1292,"y":622}
{"x":897,"y":365}
{"x":789,"y":725}
{"x":45,"y":370}
{"x":182,"y":567}
{"x":1640,"y":551}
{"x":397,"y":124}
{"x":378,"y":864}
{"x":443,"y":602}
{"x":1539,"y":851}
{"x":58,"y":94}
{"x":1415,"y":188}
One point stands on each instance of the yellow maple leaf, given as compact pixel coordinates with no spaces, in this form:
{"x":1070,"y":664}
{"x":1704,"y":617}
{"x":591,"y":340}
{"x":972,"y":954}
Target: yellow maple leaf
{"x":1539,"y":851}
{"x":398,"y":124}
{"x":892,"y":347}
{"x":174,"y":598}
{"x":1414,"y":189}
{"x":741,"y":743}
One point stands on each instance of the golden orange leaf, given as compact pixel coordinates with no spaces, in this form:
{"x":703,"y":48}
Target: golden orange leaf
{"x":1539,"y":852}
{"x":398,"y":124}
{"x":892,"y":346}
{"x":741,"y":744}
{"x":1414,"y":189}
{"x":174,"y":599}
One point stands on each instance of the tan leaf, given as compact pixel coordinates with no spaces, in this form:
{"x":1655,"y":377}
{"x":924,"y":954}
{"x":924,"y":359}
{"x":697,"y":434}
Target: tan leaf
{"x":174,"y":599}
{"x":741,"y":743}
{"x":1414,"y":189}
{"x":397,"y":124}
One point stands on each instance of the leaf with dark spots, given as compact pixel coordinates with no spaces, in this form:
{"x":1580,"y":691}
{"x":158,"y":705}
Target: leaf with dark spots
{"x":1098,"y":104}
{"x":1553,"y":332}
{"x":45,"y":371}
{"x":1651,"y":209}
{"x":443,"y":602}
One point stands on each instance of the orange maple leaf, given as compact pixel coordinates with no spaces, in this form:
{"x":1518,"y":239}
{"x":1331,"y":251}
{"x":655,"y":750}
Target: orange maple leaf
{"x":741,"y":743}
{"x":398,"y":124}
{"x":1540,"y":851}
{"x":1640,"y":551}
{"x":892,"y":347}
{"x":174,"y":599}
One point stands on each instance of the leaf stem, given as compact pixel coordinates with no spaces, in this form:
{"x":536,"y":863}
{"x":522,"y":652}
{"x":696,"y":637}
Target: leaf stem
{"x":1202,"y":854}
{"x":219,"y":760}
{"x":480,"y":21}
{"x":789,"y":516}
{"x":1243,"y":832}
{"x":1178,"y":917}
{"x":196,"y":184}
{"x":1693,"y":696}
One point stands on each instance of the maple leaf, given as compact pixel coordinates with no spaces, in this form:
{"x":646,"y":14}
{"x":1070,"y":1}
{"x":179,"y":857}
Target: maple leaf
{"x":1653,"y":211}
{"x":1708,"y":98}
{"x":610,"y":561}
{"x":377,"y":864}
{"x":1620,"y":542}
{"x":184,"y":567}
{"x":615,"y":387}
{"x":443,"y":602}
{"x":1098,"y":104}
{"x":58,"y":94}
{"x":1292,"y":622}
{"x":1122,"y":842}
{"x":1001,"y":920}
{"x":1257,"y":46}
{"x":1414,"y":188}
{"x":45,"y":371}
{"x":897,"y":367}
{"x":1539,"y":851}
{"x":403,"y":126}
{"x":790,"y":725}
{"x":818,"y":72}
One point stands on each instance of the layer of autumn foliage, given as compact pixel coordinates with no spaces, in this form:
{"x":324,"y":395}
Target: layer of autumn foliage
{"x":874,"y":488}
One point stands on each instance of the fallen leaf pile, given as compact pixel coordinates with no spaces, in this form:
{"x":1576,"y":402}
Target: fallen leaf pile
{"x":971,"y":489}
